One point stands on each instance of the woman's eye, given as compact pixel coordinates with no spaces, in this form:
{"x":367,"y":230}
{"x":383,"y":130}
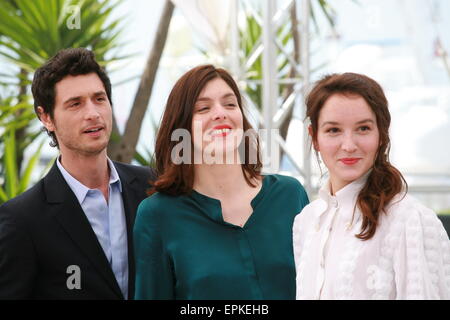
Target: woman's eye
{"x":332,"y":130}
{"x":201,"y":109}
{"x":364,"y":128}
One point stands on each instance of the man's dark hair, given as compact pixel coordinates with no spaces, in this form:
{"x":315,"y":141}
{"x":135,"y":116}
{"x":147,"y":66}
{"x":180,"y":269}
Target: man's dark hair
{"x":72,"y":61}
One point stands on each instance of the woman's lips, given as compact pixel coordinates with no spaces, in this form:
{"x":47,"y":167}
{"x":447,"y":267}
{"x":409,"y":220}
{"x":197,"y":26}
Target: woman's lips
{"x":221,"y":131}
{"x":349,"y":161}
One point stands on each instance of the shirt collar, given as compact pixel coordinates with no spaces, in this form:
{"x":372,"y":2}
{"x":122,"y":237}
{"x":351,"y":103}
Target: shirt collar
{"x":346,"y":197}
{"x":114,"y":176}
{"x":79,"y":189}
{"x":212,"y":207}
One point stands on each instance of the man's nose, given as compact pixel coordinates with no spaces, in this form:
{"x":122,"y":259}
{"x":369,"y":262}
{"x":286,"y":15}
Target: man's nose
{"x":92,"y":111}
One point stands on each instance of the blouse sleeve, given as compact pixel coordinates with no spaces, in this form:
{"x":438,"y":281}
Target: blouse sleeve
{"x":154,"y":277}
{"x":422,"y":258}
{"x":296,"y":240}
{"x":300,"y":235}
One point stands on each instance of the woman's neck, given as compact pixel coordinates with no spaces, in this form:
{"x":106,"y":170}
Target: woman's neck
{"x":218,"y":181}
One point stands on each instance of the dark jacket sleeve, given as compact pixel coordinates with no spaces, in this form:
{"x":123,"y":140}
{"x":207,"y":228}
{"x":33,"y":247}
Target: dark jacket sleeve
{"x":17,"y":256}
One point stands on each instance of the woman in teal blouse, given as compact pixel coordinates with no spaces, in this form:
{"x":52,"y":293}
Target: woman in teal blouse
{"x":214,"y":227}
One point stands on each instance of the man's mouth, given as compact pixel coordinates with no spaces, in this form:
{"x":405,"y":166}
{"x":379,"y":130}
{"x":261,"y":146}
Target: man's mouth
{"x":93,"y":130}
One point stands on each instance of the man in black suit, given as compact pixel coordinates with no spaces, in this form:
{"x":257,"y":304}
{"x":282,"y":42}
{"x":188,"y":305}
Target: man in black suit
{"x":70,"y":236}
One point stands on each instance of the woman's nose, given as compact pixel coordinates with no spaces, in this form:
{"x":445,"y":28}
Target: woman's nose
{"x":218,"y":112}
{"x":348,"y":143}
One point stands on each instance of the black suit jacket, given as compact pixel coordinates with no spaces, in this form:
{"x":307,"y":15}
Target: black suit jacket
{"x":44,"y":231}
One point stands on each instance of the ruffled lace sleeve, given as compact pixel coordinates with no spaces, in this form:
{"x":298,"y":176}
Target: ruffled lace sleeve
{"x":422,"y":257}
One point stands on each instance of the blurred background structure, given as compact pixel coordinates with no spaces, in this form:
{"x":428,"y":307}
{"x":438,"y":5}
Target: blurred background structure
{"x":274,"y":48}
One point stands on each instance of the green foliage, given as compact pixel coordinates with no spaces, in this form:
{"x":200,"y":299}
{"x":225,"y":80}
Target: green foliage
{"x":147,"y":159}
{"x":14,"y":117}
{"x":326,"y":10}
{"x":13,"y":183}
{"x":33,"y":31}
{"x":251,"y":35}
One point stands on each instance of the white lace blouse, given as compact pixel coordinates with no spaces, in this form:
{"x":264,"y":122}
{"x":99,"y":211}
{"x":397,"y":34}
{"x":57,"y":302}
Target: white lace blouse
{"x":407,"y":258}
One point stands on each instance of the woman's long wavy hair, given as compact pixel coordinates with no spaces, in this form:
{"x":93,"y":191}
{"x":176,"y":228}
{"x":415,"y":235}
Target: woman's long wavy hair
{"x":177,"y":179}
{"x":384,"y":181}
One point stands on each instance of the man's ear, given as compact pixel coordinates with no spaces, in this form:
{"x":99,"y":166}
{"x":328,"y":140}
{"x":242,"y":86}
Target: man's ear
{"x":310,"y":131}
{"x":45,"y":119}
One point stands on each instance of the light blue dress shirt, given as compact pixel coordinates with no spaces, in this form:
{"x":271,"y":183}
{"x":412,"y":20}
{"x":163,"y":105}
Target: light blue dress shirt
{"x":107,"y":219}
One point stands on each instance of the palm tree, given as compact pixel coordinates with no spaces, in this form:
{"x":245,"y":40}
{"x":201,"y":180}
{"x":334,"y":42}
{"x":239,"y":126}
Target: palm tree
{"x":123,"y":148}
{"x":12,"y":183}
{"x":33,"y":31}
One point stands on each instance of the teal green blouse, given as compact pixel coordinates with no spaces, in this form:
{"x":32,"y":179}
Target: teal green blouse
{"x":185,"y":250}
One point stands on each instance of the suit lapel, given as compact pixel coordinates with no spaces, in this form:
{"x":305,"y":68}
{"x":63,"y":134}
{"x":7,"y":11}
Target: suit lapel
{"x":70,"y":215}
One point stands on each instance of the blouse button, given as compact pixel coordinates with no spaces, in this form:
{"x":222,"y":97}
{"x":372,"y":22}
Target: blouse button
{"x":334,"y":203}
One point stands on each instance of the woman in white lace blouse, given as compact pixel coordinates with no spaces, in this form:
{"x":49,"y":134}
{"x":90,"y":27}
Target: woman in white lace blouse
{"x":364,"y":237}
